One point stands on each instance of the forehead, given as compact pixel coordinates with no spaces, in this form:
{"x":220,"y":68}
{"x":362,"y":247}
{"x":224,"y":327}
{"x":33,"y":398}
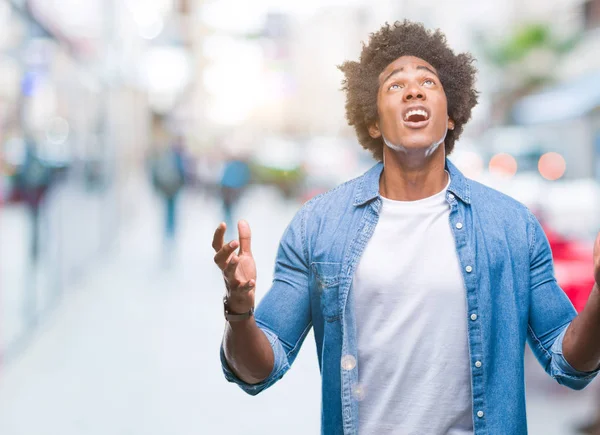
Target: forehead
{"x":405,"y":63}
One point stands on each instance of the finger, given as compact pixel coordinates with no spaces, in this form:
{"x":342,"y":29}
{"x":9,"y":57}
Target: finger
{"x":245,"y":237}
{"x":229,"y":271}
{"x":223,"y":255}
{"x":219,"y":237}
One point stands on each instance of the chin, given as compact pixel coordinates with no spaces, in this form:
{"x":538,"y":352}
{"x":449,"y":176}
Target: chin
{"x":418,"y":144}
{"x":416,"y":141}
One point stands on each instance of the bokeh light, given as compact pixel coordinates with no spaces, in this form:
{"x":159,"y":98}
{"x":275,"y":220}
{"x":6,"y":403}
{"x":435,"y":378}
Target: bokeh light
{"x":552,"y":166}
{"x":348,"y":362}
{"x":151,"y":30}
{"x":358,"y":392}
{"x":470,"y":164}
{"x":503,"y":164}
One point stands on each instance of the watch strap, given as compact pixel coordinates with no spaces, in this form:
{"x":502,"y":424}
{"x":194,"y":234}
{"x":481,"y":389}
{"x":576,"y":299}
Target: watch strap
{"x":235,"y":317}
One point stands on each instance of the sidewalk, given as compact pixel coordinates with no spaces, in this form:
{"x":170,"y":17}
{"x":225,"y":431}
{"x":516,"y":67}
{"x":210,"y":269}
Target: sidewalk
{"x":133,"y":349}
{"x":72,"y":225}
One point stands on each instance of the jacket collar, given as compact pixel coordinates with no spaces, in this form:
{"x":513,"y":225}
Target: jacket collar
{"x":368,"y":184}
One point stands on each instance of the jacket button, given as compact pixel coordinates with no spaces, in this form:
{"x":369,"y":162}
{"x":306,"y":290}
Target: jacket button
{"x":480,"y":414}
{"x":473,"y":317}
{"x":469,"y":269}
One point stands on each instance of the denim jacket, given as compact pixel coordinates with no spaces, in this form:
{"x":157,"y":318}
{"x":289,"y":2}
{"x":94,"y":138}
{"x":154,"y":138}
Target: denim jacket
{"x":511,"y":291}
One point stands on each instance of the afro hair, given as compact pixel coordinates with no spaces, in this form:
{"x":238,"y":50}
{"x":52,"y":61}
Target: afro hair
{"x":361,"y":82}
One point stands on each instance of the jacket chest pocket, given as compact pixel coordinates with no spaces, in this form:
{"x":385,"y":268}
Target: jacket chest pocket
{"x":326,"y":282}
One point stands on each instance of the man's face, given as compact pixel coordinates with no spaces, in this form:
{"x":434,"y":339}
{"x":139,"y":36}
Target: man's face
{"x":412,"y":106}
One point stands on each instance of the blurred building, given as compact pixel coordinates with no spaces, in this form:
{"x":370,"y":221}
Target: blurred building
{"x":566,"y":114}
{"x":73,"y":82}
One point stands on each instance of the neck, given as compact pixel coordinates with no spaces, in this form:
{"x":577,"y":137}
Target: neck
{"x":411,"y":176}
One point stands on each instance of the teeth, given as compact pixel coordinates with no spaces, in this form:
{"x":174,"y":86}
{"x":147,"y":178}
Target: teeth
{"x":416,"y":112}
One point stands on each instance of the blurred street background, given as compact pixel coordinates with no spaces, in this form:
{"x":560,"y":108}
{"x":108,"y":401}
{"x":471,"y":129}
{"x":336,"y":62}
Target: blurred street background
{"x":130,"y":128}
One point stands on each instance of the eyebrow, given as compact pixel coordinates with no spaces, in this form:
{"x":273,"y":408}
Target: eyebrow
{"x":419,"y":67}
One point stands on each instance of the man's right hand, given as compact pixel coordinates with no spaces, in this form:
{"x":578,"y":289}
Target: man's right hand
{"x":239,"y":270}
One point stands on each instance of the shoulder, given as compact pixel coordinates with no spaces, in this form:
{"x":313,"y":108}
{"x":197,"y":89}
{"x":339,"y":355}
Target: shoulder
{"x":487,"y":198}
{"x":321,"y":215}
{"x":343,"y":192}
{"x":502,"y":213}
{"x":340,"y":201}
{"x":333,"y":207}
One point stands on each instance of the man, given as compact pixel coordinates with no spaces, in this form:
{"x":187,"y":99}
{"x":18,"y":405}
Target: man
{"x":168,"y":178}
{"x":422,"y":286}
{"x":33,"y":180}
{"x":234,"y":180}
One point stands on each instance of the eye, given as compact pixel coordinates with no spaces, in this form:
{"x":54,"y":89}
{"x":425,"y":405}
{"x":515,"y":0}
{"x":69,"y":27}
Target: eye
{"x":429,"y":82}
{"x":394,"y":87}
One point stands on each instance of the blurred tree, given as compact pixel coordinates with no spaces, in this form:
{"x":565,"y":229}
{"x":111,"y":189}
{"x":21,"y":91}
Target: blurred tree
{"x":526,"y":60}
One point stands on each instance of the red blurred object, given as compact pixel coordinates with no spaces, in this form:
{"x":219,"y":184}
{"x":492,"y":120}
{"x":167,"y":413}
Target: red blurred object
{"x":573,"y":266}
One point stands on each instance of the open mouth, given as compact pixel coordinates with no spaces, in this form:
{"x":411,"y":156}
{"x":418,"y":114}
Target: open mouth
{"x":416,"y":115}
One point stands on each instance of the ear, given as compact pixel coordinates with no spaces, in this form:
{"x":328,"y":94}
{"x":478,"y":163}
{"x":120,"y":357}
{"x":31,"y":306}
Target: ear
{"x":450,"y":124}
{"x":374,"y":131}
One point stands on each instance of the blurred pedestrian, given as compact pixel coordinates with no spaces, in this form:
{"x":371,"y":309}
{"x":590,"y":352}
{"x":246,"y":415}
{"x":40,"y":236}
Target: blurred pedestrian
{"x":422,"y":286}
{"x":32,"y":181}
{"x":168,"y":178}
{"x":234,"y":180}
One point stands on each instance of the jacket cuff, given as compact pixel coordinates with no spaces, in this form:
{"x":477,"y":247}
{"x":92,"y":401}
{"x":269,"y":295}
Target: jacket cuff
{"x":564,"y":372}
{"x":280,"y":366}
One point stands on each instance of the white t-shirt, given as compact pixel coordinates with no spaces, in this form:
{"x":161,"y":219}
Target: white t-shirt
{"x":411,"y":317}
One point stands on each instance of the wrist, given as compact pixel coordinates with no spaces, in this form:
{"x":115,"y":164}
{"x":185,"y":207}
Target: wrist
{"x":242,"y":325}
{"x":236,"y":314}
{"x":239,"y":302}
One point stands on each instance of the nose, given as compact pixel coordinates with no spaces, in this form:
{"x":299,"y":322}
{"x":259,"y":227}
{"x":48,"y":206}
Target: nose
{"x":413,"y":92}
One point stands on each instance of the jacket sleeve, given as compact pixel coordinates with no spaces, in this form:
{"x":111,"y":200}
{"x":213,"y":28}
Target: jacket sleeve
{"x":551,"y":312}
{"x":284,"y":313}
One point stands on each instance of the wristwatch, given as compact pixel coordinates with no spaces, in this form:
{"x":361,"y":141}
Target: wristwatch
{"x":235,"y":317}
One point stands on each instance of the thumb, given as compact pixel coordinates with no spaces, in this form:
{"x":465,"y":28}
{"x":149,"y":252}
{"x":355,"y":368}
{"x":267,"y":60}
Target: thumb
{"x":245,"y":237}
